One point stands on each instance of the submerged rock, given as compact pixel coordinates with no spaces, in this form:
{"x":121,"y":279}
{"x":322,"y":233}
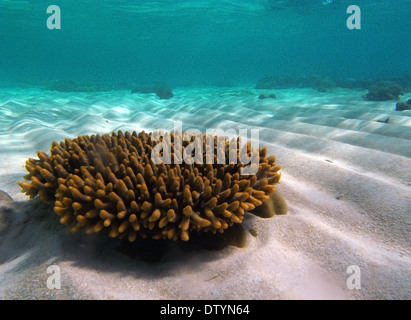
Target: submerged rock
{"x":401,"y":106}
{"x":4,"y":196}
{"x":386,"y":120}
{"x":319,"y":83}
{"x":162,"y":92}
{"x":383,"y":91}
{"x":264,"y":96}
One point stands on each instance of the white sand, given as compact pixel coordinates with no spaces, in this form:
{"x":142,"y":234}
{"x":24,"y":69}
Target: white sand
{"x":346,"y":178}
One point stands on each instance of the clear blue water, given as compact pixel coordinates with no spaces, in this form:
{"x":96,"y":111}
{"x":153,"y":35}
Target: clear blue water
{"x":345,"y":161}
{"x":201,"y":42}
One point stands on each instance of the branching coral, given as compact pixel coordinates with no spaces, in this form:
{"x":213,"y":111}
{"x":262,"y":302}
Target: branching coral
{"x":110,"y":182}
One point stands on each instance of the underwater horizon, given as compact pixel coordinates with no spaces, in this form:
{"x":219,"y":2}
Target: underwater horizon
{"x":197,"y":43}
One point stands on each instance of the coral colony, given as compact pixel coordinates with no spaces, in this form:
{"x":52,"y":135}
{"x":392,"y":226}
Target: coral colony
{"x":114,"y":183}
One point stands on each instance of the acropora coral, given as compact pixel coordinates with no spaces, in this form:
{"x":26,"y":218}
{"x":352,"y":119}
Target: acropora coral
{"x":110,"y":182}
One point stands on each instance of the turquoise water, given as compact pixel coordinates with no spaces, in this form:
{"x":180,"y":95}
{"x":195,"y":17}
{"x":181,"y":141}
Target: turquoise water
{"x":289,"y":69}
{"x":185,"y":43}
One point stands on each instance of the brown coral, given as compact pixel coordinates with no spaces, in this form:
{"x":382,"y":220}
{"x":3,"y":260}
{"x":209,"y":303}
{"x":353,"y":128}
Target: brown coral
{"x":103,"y":182}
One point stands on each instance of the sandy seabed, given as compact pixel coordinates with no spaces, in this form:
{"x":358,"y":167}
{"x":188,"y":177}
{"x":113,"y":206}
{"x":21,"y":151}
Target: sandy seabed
{"x":346,"y":177}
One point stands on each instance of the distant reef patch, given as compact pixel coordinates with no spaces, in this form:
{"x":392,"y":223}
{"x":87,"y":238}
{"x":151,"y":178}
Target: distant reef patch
{"x":162,"y":91}
{"x":379,"y":89}
{"x":74,"y":86}
{"x":401,"y":106}
{"x":267,"y":96}
{"x":321,"y":84}
{"x":384,"y":91}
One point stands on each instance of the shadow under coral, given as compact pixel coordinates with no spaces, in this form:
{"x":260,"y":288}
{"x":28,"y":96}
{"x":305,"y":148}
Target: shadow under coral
{"x":31,"y":236}
{"x":98,"y":246}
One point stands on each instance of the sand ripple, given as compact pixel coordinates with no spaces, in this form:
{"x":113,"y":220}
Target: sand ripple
{"x":346,"y":177}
